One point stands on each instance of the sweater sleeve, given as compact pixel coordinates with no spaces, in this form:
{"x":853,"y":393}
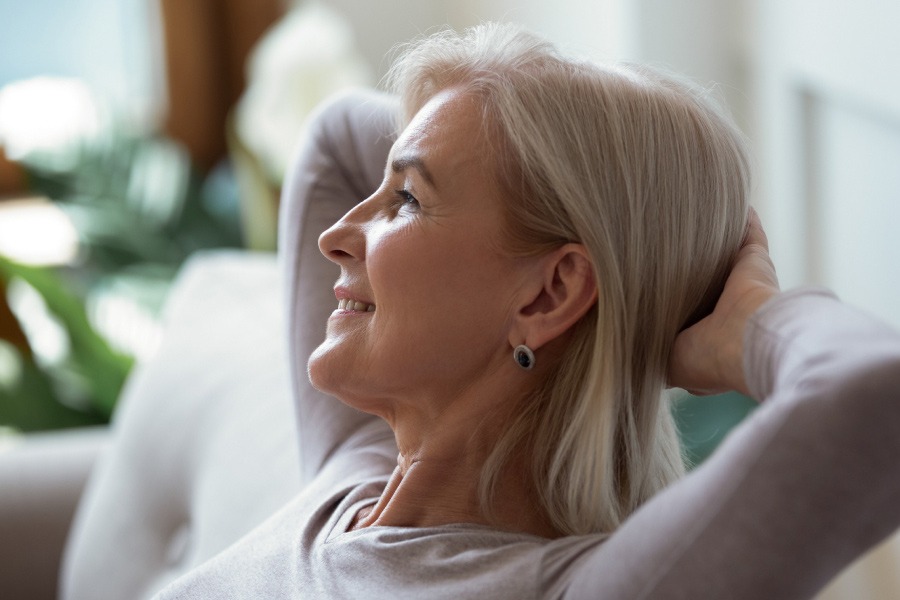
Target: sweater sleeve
{"x":340,"y":162}
{"x":806,"y":485}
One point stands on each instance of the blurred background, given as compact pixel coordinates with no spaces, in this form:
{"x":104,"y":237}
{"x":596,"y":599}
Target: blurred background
{"x":136,"y":132}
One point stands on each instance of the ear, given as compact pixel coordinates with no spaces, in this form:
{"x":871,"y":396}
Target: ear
{"x":564,"y":290}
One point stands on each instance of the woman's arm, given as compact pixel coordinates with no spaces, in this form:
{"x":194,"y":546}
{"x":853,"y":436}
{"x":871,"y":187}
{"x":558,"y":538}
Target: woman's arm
{"x":806,"y":485}
{"x":340,"y":163}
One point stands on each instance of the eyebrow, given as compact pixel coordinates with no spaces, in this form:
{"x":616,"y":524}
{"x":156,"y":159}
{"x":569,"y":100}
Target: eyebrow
{"x":415,"y":162}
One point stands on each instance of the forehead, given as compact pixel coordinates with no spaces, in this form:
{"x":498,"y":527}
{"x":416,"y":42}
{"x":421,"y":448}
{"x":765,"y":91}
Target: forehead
{"x":446,"y":135}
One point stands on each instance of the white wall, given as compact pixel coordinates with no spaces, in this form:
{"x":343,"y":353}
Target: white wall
{"x":381,"y":25}
{"x":709,"y":40}
{"x":829,"y":141}
{"x":598,"y":28}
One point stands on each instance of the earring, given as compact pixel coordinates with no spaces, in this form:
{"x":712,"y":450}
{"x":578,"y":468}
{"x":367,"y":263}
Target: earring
{"x":524,"y":357}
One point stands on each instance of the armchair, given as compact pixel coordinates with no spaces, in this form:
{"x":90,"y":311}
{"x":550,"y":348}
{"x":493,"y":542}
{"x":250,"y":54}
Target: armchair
{"x":201,"y":450}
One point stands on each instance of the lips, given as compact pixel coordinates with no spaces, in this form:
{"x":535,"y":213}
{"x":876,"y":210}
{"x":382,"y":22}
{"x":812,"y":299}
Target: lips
{"x":351,"y":300}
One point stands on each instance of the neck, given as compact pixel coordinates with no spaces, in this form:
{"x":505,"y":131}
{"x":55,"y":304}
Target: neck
{"x":438,"y":472}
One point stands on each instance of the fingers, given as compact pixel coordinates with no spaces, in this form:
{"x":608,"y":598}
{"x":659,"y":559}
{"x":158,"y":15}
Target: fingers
{"x":755,"y":235}
{"x":708,"y":356}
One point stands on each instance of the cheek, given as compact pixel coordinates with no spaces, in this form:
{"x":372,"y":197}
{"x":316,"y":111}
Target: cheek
{"x":425,"y":278}
{"x":438,"y":296}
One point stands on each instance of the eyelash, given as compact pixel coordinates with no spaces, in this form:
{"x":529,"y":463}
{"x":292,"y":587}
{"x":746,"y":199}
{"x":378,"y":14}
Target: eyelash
{"x":406,"y":198}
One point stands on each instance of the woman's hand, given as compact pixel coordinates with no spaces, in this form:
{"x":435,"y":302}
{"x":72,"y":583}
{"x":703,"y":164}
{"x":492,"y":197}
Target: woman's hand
{"x":707,"y":358}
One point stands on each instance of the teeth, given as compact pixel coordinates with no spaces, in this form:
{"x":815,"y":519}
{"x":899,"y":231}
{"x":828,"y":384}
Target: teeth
{"x":348,"y":304}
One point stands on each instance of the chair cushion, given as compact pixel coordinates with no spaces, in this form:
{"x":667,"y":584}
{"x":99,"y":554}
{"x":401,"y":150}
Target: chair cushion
{"x":204,"y":444}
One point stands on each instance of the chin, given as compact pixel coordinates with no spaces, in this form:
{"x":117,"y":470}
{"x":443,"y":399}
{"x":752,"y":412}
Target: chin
{"x":322,"y":368}
{"x":320,"y":376}
{"x":327,"y":375}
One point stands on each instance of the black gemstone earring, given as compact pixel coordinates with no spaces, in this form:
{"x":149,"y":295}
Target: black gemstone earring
{"x":524,"y":357}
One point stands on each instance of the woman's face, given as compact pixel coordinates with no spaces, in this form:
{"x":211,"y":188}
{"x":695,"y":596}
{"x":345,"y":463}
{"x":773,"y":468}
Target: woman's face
{"x":427,"y":294}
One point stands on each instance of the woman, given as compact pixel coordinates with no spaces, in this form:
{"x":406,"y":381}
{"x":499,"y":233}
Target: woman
{"x":545,"y":248}
{"x":608,"y":219}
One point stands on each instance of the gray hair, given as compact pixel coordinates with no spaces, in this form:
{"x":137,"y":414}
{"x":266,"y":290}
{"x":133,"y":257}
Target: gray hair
{"x":649,"y":175}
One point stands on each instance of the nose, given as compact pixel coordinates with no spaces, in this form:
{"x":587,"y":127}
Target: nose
{"x":345,"y":241}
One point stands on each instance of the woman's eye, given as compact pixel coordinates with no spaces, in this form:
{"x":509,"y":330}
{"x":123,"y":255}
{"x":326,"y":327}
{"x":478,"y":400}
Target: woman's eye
{"x":407,"y":199}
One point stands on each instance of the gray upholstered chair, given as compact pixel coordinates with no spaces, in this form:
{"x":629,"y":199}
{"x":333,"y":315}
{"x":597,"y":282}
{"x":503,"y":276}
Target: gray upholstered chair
{"x":201,"y":450}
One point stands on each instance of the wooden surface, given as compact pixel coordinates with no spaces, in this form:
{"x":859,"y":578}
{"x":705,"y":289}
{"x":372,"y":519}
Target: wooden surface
{"x":12,"y":177}
{"x":206,"y":47}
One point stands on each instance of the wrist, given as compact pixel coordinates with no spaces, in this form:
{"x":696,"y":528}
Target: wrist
{"x":750,"y":304}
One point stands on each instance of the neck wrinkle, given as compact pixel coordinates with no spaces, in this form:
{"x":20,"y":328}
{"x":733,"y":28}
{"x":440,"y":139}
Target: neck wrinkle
{"x":430,"y":493}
